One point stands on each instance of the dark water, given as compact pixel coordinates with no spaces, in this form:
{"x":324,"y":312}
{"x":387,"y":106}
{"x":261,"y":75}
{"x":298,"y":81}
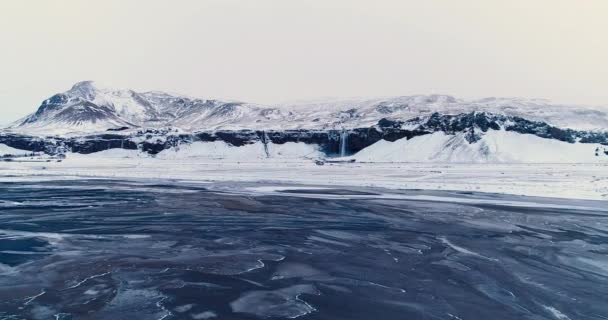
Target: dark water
{"x":133,"y":250}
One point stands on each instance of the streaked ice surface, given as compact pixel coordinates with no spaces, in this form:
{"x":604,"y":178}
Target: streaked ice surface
{"x":111,"y":249}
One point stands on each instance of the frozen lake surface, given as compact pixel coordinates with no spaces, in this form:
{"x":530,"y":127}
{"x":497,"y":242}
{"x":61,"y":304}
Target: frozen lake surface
{"x":117,"y":249}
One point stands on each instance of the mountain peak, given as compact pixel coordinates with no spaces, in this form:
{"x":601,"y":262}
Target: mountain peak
{"x":84,"y":89}
{"x":87,"y":84}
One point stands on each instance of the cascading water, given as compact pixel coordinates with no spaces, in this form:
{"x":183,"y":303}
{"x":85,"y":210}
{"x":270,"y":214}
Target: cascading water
{"x":343,"y":142}
{"x":265,"y":141}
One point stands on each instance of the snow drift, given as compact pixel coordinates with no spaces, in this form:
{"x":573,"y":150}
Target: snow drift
{"x":9,"y":151}
{"x":496,"y":146}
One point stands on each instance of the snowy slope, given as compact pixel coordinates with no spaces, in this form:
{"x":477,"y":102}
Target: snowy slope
{"x":495,"y":146}
{"x":87,"y":108}
{"x":80,"y":109}
{"x":6,"y":150}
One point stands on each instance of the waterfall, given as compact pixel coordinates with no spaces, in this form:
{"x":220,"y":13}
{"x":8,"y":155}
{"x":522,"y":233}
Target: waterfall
{"x":343,"y":142}
{"x":176,"y":143}
{"x":265,"y":141}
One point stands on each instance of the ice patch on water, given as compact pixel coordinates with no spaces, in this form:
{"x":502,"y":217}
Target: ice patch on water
{"x":537,"y":203}
{"x":14,"y":234}
{"x":31,"y":299}
{"x":272,"y":189}
{"x":62,"y":316}
{"x":452,"y":316}
{"x":281,"y":303}
{"x":506,"y":203}
{"x":160,"y":305}
{"x":42,"y":312}
{"x":336,"y":288}
{"x":183,"y":308}
{"x":362,"y":283}
{"x":136,"y":236}
{"x":453,"y":265}
{"x":259,"y":265}
{"x":597,"y":264}
{"x":343,"y":235}
{"x":255,"y":283}
{"x":235,"y":263}
{"x":328,"y":241}
{"x":556,"y":313}
{"x":388,"y":252}
{"x":131,"y":303}
{"x":9,"y":204}
{"x":295,"y":270}
{"x":22,"y":252}
{"x":493,"y":225}
{"x":464,"y":250}
{"x":204,"y":315}
{"x":79,"y":283}
{"x":6,"y":269}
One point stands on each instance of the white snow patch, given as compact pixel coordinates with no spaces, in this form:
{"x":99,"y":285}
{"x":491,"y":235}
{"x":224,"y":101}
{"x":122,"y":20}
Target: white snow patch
{"x":204,"y":315}
{"x":6,"y":150}
{"x":495,"y":146}
{"x":565,"y":180}
{"x":556,"y":313}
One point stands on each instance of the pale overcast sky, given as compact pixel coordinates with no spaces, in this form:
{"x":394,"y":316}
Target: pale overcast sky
{"x":270,"y":51}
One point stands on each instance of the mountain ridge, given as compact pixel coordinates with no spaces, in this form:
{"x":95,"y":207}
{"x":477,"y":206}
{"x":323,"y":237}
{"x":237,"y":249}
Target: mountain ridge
{"x":86,"y":108}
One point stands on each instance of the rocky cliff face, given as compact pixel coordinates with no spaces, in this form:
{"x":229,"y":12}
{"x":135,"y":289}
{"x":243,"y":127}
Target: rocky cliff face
{"x":473,"y":125}
{"x":88,"y":119}
{"x":476,"y":123}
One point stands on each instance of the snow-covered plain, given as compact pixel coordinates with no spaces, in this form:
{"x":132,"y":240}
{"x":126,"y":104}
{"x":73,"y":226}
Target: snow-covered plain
{"x":577,"y":181}
{"x":515,"y":164}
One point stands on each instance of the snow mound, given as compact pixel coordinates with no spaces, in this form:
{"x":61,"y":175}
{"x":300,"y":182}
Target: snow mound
{"x":246,"y":153}
{"x":496,"y":146}
{"x":6,"y":150}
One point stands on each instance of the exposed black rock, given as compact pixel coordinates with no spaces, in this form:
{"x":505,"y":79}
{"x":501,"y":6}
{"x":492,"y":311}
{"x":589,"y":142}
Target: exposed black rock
{"x":118,"y":129}
{"x":474,"y":125}
{"x":34,"y":144}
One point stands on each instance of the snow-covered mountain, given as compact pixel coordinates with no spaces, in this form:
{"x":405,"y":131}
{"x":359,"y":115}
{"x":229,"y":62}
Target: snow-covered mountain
{"x":432,"y":128}
{"x":88,"y":108}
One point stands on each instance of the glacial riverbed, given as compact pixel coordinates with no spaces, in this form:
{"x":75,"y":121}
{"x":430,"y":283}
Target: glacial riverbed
{"x":142,"y":249}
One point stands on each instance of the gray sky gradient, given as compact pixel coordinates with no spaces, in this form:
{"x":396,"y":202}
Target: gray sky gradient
{"x":270,"y":51}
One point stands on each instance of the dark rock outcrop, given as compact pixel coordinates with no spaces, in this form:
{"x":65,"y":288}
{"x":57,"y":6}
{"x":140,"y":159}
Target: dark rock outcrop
{"x":153,"y":141}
